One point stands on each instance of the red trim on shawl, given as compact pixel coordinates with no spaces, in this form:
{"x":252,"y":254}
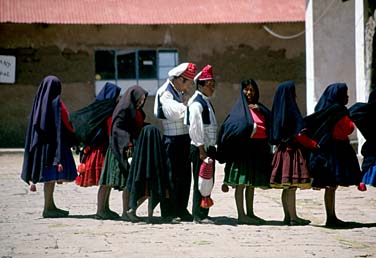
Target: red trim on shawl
{"x":343,"y":128}
{"x":139,"y":121}
{"x":65,"y":117}
{"x":109,"y":123}
{"x":307,"y":142}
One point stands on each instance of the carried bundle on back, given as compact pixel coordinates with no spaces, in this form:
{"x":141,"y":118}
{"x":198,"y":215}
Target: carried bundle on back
{"x":88,"y":121}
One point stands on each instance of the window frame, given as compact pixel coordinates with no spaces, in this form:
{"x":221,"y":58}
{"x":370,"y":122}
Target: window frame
{"x":150,"y":84}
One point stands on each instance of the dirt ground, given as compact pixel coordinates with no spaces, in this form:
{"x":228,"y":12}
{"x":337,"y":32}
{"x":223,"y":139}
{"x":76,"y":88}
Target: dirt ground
{"x":24,"y":233}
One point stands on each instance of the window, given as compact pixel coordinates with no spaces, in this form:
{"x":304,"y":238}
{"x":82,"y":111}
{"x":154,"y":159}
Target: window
{"x":167,"y":61}
{"x":105,"y":66}
{"x":147,"y":66}
{"x":126,"y":67}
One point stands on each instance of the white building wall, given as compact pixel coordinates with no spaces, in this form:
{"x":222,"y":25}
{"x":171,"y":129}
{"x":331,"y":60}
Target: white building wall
{"x":331,"y":50}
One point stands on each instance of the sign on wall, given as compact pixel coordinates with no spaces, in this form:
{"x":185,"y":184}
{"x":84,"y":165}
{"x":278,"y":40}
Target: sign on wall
{"x":7,"y":69}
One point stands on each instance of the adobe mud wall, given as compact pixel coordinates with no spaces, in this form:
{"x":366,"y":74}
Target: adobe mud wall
{"x":236,"y":51}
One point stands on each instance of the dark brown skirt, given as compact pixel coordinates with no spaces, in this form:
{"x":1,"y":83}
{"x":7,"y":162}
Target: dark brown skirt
{"x":289,"y":169}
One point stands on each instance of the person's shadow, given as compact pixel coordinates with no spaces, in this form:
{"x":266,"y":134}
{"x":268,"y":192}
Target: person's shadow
{"x":349,"y":225}
{"x":83,"y":216}
{"x":229,"y":221}
{"x":223,"y":220}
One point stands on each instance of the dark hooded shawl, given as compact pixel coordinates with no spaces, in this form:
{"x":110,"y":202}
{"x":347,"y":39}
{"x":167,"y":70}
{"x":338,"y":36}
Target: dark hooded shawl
{"x":148,"y":173}
{"x":44,"y":132}
{"x":328,"y":111}
{"x":89,"y":123}
{"x":238,"y":126}
{"x":363,"y":115}
{"x":124,"y":127}
{"x":335,"y":162}
{"x":287,"y":121}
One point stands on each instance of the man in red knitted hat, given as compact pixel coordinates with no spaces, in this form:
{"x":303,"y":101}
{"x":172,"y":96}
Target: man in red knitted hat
{"x":170,"y":108}
{"x":200,"y":118}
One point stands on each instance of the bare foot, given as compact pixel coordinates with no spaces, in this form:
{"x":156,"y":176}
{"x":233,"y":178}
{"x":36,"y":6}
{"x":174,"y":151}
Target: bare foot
{"x":55,"y":213}
{"x":62,"y":211}
{"x":124,"y":217}
{"x":113,"y":214}
{"x":335,"y":223}
{"x":257,"y":220}
{"x":299,"y":222}
{"x":286,"y":220}
{"x":246,"y":221}
{"x":132,"y":216}
{"x":150,"y":220}
{"x":106,"y":215}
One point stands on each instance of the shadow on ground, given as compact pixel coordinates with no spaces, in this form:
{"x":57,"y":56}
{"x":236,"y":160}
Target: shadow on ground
{"x":349,"y":225}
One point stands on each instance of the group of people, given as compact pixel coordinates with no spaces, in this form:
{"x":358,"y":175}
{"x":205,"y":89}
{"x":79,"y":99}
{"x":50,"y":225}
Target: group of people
{"x":260,"y":147}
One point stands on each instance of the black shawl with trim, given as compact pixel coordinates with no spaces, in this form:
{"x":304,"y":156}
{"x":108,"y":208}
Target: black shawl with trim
{"x":124,"y":128}
{"x":238,"y":126}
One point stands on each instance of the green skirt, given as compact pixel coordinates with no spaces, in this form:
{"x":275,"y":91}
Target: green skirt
{"x":112,"y":174}
{"x":252,"y":167}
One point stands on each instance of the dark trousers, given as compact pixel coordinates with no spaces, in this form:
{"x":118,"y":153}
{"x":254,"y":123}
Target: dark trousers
{"x":197,"y":210}
{"x":177,"y":148}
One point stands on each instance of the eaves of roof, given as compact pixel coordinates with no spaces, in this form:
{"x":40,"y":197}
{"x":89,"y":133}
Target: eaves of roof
{"x":151,"y":12}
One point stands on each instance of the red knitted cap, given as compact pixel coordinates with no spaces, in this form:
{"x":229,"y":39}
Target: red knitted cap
{"x":206,"y":73}
{"x":190,"y":71}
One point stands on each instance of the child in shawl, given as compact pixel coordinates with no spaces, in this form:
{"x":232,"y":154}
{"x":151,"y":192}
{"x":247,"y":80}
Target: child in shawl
{"x":248,"y":167}
{"x":92,"y":126}
{"x":363,"y":115}
{"x":48,"y":158}
{"x":336,"y":163}
{"x":289,"y":167}
{"x":127,"y":122}
{"x":148,"y":173}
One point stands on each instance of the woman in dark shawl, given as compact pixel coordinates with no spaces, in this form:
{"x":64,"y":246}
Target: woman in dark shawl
{"x":48,"y":158}
{"x":247,"y":167}
{"x":92,"y":126}
{"x":336,"y":163}
{"x":363,"y":115}
{"x":127,"y":122}
{"x":95,"y":147}
{"x":289,"y":168}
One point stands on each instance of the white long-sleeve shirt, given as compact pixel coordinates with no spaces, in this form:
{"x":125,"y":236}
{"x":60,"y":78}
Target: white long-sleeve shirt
{"x":173,"y":110}
{"x":200,"y":133}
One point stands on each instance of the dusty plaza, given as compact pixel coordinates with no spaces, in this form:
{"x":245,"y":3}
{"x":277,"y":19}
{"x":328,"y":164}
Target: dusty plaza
{"x":24,"y":233}
{"x":304,"y":45}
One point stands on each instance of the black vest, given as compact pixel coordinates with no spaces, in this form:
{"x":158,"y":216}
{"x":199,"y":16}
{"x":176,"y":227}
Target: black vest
{"x":176,"y":97}
{"x":205,"y":111}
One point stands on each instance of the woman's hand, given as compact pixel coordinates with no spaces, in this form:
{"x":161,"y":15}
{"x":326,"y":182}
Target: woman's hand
{"x":129,"y":152}
{"x":59,"y":168}
{"x":252,"y":106}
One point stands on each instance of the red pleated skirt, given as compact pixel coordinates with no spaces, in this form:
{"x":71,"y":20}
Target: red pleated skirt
{"x":91,"y":165}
